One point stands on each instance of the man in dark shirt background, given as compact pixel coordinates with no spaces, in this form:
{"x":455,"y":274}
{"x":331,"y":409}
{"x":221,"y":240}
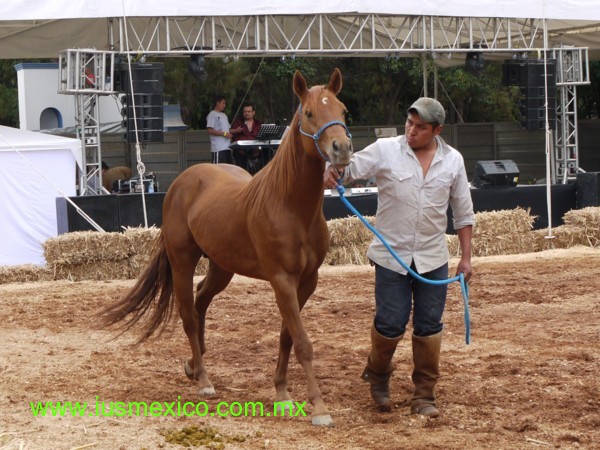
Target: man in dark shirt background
{"x":246,"y":129}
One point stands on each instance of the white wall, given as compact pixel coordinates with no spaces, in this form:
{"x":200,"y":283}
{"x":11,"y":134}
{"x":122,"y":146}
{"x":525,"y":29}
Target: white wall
{"x":38,"y":86}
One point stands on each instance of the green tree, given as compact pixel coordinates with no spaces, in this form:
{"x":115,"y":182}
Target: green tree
{"x":588,"y":96}
{"x":9,"y":101}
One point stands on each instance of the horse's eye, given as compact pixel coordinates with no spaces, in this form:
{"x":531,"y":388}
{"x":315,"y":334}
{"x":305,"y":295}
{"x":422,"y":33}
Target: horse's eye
{"x":308,"y":114}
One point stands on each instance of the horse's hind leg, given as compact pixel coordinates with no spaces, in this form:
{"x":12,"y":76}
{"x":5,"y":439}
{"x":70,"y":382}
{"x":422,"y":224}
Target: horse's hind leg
{"x":184,"y":259}
{"x":215,"y":281}
{"x":293,"y":333}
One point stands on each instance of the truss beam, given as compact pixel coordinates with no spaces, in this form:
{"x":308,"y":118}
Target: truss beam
{"x":324,"y":34}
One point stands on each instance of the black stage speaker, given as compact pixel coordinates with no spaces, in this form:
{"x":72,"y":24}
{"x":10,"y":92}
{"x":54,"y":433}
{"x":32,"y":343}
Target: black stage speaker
{"x":147,"y":96}
{"x":493,"y":174}
{"x":146,"y":77}
{"x":532,"y":76}
{"x":588,"y":189}
{"x":103,"y":210}
{"x":131,"y":209}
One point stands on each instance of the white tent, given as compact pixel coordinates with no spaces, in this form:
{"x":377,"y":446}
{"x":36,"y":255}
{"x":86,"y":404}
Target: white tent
{"x":35,"y":168}
{"x":41,"y":29}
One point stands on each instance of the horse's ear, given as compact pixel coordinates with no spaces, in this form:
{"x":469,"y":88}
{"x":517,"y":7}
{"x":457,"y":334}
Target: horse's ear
{"x":300,"y":86}
{"x":335,"y":83}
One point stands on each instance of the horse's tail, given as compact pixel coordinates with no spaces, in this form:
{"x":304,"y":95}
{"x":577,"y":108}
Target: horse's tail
{"x":156,"y":281}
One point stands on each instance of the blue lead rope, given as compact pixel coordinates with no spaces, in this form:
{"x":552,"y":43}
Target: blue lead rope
{"x":464,"y":287}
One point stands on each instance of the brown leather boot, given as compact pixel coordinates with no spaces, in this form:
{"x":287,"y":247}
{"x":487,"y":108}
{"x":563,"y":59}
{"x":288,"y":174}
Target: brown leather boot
{"x":426,"y":358}
{"x":379,"y":368}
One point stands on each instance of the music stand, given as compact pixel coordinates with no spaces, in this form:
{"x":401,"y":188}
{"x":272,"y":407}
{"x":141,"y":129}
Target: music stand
{"x":270,"y":132}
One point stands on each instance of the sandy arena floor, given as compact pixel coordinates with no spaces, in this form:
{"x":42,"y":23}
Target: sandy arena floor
{"x":529,"y":378}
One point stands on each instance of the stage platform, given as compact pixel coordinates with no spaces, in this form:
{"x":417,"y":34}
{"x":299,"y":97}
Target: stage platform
{"x":116,"y":211}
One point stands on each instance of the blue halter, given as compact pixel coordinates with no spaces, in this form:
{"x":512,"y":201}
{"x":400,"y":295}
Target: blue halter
{"x":317,"y":135}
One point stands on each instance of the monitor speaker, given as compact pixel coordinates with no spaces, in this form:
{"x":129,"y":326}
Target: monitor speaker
{"x":493,"y":174}
{"x":588,"y":189}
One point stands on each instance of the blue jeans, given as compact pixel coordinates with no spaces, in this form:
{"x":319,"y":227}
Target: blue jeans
{"x":395,"y":295}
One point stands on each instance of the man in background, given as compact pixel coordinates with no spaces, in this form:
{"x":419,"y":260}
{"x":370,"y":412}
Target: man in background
{"x":217,"y":125}
{"x":246,"y":129}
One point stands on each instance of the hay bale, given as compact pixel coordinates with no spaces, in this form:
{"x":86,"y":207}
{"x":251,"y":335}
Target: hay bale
{"x":349,"y":230}
{"x":143,"y":241}
{"x":25,"y":273}
{"x":503,"y":222}
{"x":453,"y":245}
{"x":564,"y":236}
{"x":97,"y":270}
{"x":347,"y":254}
{"x":350,"y":239}
{"x":202,"y":267}
{"x":86,"y":247}
{"x":587,"y":219}
{"x":507,"y":244}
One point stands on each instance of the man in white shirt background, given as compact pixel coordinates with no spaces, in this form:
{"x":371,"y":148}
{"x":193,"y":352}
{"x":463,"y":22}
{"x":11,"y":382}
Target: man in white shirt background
{"x":217,"y":125}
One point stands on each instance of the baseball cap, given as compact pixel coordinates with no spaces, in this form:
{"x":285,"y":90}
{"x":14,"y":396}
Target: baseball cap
{"x":429,"y":109}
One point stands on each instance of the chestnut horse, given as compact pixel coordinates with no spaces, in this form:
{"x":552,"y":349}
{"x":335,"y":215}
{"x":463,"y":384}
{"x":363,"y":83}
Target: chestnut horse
{"x":270,"y":227}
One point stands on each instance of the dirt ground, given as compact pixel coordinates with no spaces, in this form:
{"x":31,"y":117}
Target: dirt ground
{"x":529,"y":378}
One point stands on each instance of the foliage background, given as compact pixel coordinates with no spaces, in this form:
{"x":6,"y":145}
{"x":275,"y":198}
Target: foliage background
{"x":377,"y":91}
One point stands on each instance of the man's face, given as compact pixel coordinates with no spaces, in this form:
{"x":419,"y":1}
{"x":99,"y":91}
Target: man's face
{"x":248,"y":112}
{"x":419,"y":134}
{"x":221,"y":105}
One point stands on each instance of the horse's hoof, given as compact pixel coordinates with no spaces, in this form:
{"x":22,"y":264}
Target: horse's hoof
{"x":207,"y":391}
{"x":188,"y":370}
{"x":283,"y":407}
{"x":322,"y":420}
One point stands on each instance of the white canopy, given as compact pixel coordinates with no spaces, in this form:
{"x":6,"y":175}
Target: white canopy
{"x":35,"y":168}
{"x":62,"y":9}
{"x":40,"y":28}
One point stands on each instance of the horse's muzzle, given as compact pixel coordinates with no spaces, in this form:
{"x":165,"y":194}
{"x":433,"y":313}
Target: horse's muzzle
{"x":341,"y":152}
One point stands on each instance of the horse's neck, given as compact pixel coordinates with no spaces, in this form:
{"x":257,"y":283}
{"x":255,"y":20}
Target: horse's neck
{"x":293,"y":178}
{"x":310,"y":171}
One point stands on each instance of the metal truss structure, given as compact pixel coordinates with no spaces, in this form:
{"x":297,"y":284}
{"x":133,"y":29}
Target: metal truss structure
{"x":87,"y":73}
{"x":572,"y":69}
{"x":318,"y":35}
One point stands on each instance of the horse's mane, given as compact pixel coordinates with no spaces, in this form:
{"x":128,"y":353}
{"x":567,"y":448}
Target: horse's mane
{"x":280,"y":175}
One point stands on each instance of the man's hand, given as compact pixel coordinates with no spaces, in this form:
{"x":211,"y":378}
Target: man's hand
{"x":464,"y":266}
{"x":331,"y":176}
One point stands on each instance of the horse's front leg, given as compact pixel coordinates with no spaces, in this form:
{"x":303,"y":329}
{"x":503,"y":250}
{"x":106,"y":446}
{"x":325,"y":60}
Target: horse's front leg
{"x":282,"y":396}
{"x":290,"y":303}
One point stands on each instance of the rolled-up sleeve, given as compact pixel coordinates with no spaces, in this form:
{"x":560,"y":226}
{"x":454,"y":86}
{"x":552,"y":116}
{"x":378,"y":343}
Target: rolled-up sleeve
{"x":461,"y":201}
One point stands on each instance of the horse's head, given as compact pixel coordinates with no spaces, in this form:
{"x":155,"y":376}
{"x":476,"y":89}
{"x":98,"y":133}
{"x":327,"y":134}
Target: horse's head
{"x":322,"y":119}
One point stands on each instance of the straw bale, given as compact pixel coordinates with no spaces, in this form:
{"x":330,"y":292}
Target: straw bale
{"x":96,"y":270}
{"x":349,"y":230}
{"x":347,"y":254}
{"x":506,"y":244}
{"x":143,"y":241}
{"x":202,"y":267}
{"x":585,"y":217}
{"x":589,"y":220}
{"x":566,"y":236}
{"x":86,"y":247}
{"x":503,"y":222}
{"x":137,"y":264}
{"x":24,"y":273}
{"x":453,"y":245}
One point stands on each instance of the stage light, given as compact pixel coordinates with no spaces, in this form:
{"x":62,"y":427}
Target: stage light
{"x":197,"y":67}
{"x":474,"y":63}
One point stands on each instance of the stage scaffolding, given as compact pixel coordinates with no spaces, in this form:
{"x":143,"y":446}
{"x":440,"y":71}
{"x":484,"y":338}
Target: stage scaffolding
{"x":89,"y":73}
